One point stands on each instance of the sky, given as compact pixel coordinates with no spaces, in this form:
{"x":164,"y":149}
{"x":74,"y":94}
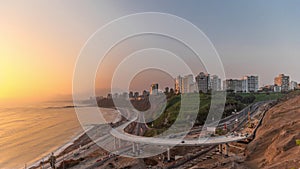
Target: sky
{"x":41,"y":40}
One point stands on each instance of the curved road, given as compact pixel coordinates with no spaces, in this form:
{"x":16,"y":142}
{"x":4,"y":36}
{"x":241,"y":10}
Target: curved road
{"x":121,"y":134}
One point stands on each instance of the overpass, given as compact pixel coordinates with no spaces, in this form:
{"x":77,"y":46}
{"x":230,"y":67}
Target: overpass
{"x":169,"y":141}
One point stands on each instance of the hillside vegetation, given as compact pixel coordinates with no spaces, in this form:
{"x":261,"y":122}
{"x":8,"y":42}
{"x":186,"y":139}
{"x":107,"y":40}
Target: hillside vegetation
{"x":234,"y":102}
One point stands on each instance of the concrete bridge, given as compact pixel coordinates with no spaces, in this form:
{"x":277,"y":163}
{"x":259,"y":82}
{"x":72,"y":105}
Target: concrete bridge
{"x":119,"y":134}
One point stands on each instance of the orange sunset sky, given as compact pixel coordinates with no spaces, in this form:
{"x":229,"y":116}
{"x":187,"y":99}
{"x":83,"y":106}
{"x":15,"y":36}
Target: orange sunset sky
{"x":40,"y":41}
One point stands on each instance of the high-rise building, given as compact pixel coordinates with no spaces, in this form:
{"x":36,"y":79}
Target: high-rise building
{"x":282,"y":81}
{"x":187,"y":81}
{"x":203,"y":82}
{"x":253,"y":85}
{"x":178,"y":84}
{"x":184,"y":84}
{"x":154,"y":89}
{"x":233,"y":85}
{"x":193,"y":88}
{"x":245,"y":85}
{"x":216,"y":83}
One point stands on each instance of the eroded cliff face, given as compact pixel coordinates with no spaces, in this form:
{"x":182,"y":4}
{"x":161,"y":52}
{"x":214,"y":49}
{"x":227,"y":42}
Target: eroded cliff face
{"x":275,"y":143}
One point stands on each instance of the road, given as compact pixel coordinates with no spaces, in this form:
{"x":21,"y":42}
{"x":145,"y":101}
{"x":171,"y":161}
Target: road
{"x":119,"y":133}
{"x":241,"y":116}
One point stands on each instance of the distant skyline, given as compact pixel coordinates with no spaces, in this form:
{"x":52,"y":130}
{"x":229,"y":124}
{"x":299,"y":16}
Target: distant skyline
{"x":41,"y":40}
{"x":140,"y":83}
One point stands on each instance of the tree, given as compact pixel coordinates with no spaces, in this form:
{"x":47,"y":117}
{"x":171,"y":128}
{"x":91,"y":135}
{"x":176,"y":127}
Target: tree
{"x":167,"y":90}
{"x":248,"y":99}
{"x":130,"y":94}
{"x":172,"y":91}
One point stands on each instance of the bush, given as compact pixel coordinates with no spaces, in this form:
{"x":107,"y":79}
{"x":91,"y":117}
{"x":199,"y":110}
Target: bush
{"x":248,"y":99}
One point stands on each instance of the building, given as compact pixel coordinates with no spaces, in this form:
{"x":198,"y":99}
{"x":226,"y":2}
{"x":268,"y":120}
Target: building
{"x":245,"y":85}
{"x":234,"y":85}
{"x":277,"y":88}
{"x":178,"y":84}
{"x":216,"y":84}
{"x":154,"y":89}
{"x":194,"y":88}
{"x":203,"y":82}
{"x":253,"y":85}
{"x":268,"y":88}
{"x":187,"y":82}
{"x":283,"y":82}
{"x":293,"y":85}
{"x":184,"y":84}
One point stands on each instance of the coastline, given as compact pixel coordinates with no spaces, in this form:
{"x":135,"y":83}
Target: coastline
{"x":58,"y":151}
{"x":72,"y":145}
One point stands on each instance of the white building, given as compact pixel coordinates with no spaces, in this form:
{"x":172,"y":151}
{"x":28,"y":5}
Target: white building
{"x":253,"y":85}
{"x":277,"y":88}
{"x":245,"y":85}
{"x":216,"y":84}
{"x":185,"y":84}
{"x":293,"y":85}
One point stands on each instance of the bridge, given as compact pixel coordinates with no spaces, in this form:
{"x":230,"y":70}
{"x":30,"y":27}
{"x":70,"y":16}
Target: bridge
{"x":174,"y":140}
{"x":134,"y":144}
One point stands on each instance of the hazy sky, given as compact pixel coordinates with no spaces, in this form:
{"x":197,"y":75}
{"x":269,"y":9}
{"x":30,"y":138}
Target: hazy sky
{"x":40,"y":40}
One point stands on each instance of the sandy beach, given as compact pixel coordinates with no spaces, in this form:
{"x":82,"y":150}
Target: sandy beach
{"x":109,"y":115}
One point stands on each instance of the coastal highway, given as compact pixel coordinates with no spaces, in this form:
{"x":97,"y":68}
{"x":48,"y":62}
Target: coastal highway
{"x":121,"y":134}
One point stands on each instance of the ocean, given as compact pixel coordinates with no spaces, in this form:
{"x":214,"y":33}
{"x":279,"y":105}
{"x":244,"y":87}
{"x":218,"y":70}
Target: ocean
{"x":29,"y":133}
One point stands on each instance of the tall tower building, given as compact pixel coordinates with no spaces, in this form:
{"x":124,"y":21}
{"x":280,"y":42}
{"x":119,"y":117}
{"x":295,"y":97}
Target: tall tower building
{"x":216,"y":83}
{"x":184,"y":84}
{"x":187,"y":81}
{"x":203,"y":82}
{"x":178,"y":84}
{"x":253,"y":85}
{"x":282,"y":81}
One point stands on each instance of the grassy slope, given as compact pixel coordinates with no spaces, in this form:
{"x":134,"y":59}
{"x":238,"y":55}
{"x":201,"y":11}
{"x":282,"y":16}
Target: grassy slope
{"x":233,"y":102}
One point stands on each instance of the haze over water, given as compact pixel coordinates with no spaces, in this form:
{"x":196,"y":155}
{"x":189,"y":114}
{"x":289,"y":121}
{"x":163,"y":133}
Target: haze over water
{"x":29,"y":133}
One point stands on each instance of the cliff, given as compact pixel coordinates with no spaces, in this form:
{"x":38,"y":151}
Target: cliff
{"x":275,"y":143}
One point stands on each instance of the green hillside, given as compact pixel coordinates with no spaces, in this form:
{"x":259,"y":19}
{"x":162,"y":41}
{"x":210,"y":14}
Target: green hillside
{"x":234,"y":102}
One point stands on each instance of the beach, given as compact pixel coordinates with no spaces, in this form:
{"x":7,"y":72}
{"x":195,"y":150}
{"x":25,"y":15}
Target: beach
{"x":29,"y":134}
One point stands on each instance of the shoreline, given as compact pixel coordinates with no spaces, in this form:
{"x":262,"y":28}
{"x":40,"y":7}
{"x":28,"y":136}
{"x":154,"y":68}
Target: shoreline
{"x":58,"y":151}
{"x":68,"y":147}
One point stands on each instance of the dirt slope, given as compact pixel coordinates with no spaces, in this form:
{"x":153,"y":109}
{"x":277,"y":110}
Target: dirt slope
{"x":275,"y":143}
